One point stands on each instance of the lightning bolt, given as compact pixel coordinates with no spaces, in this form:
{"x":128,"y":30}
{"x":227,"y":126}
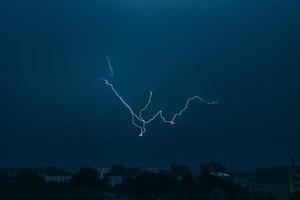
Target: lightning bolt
{"x":110,"y":67}
{"x":139,"y":117}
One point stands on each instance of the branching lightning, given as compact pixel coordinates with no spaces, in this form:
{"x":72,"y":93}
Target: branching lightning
{"x":139,"y":117}
{"x":110,"y":67}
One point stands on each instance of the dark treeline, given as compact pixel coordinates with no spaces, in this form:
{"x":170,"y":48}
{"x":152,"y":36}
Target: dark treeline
{"x":85,"y":184}
{"x":147,"y":185}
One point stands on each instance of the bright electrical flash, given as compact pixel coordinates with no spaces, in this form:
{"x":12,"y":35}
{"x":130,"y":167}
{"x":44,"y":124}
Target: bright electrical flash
{"x":139,"y":116}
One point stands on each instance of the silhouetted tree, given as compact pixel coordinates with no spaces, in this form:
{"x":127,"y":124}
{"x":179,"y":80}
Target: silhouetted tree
{"x":86,"y":177}
{"x":147,"y":184}
{"x":28,"y":179}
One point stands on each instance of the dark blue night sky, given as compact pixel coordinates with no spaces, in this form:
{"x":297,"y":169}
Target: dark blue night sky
{"x":55,"y":111}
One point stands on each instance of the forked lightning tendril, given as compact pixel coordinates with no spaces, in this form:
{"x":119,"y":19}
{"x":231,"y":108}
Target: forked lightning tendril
{"x":110,"y":67}
{"x":139,"y":117}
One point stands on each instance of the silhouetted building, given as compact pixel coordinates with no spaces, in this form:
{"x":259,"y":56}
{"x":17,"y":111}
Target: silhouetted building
{"x":102,"y":171}
{"x":52,"y":174}
{"x":295,"y":179}
{"x":58,"y":179}
{"x":261,"y":184}
{"x":280,"y":181}
{"x":8,"y":172}
{"x":115,"y":180}
{"x":150,"y":169}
